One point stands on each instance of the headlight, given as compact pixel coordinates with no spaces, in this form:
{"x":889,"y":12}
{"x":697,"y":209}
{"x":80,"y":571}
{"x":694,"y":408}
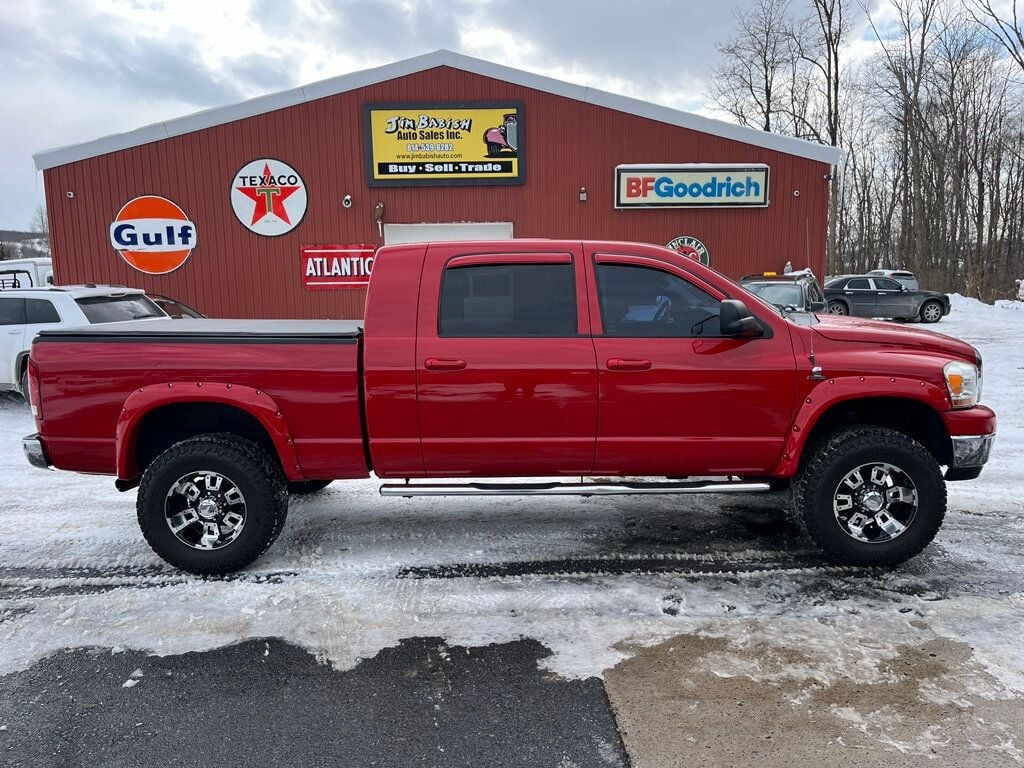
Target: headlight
{"x":962,"y":382}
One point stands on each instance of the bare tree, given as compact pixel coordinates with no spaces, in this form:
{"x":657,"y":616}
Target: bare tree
{"x":748,"y":84}
{"x":40,"y":223}
{"x":1006,"y":31}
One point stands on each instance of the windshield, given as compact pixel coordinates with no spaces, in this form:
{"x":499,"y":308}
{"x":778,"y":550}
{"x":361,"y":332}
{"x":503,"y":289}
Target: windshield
{"x":778,"y":294}
{"x":113,"y":309}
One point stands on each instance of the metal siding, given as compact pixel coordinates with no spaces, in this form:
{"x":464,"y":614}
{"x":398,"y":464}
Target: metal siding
{"x":568,"y":144}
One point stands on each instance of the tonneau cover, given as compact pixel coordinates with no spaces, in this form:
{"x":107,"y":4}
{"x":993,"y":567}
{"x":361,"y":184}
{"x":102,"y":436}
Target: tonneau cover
{"x":204,"y":329}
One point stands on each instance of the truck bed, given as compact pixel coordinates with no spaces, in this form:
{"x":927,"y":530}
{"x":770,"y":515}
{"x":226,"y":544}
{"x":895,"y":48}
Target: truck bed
{"x":303,"y":381}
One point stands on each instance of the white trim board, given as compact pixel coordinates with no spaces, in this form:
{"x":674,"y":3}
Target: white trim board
{"x":51,"y":158}
{"x":446,"y":231}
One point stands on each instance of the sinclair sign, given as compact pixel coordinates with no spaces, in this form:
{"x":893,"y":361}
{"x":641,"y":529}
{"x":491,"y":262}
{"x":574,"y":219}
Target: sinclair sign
{"x":695,"y":185}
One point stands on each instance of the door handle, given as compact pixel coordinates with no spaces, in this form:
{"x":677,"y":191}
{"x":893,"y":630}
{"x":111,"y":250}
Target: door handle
{"x":620,"y":364}
{"x":443,"y":364}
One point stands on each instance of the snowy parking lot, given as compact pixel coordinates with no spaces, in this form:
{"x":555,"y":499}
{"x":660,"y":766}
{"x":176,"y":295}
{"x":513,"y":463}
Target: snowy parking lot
{"x":715,"y":629}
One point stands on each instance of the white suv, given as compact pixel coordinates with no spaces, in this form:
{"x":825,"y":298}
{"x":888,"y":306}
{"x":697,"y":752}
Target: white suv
{"x":26,"y":311}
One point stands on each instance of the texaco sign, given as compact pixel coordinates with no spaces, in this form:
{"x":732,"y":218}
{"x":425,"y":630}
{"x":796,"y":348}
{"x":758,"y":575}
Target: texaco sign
{"x":268,"y":197}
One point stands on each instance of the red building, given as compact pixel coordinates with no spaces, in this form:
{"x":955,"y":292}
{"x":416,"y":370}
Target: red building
{"x":271,"y":208}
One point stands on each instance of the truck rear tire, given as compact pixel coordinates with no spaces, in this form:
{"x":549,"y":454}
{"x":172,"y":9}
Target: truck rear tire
{"x":869,"y":496}
{"x":213,"y":504}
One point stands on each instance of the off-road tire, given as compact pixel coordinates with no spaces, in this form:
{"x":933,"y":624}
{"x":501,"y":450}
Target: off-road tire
{"x":935,"y":316}
{"x":249,"y":467}
{"x":307,"y":487}
{"x":837,"y":308}
{"x":828,"y":461}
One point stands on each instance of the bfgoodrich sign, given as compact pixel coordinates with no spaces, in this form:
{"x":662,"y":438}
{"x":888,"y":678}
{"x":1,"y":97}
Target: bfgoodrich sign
{"x":695,"y":185}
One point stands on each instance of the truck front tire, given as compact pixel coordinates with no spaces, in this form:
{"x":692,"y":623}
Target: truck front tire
{"x":869,"y":496}
{"x":212,"y":504}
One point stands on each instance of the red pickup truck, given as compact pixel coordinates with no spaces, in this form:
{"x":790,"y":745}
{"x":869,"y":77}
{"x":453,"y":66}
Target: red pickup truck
{"x":518,"y":359}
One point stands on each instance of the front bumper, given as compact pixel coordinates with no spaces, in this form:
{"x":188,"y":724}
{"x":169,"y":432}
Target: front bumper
{"x":34,"y":451}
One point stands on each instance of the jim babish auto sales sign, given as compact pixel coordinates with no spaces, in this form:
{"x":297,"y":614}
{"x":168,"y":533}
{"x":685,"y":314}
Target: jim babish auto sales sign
{"x":443,"y":144}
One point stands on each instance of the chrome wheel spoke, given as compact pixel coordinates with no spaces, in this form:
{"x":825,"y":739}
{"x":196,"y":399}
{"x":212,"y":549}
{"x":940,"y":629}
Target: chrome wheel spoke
{"x":879,"y":475}
{"x":844,"y":501}
{"x":856,"y":524}
{"x":182,"y":520}
{"x":214,"y":482}
{"x":211,"y":535}
{"x":854,"y":479}
{"x":232,"y":520}
{"x":234,"y":496}
{"x":889,"y":524}
{"x":900,"y":495}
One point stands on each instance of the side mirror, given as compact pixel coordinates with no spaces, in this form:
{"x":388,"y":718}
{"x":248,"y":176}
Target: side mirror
{"x":735,"y":320}
{"x":816,"y":306}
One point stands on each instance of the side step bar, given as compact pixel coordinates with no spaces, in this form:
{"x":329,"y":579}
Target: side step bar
{"x":567,"y":489}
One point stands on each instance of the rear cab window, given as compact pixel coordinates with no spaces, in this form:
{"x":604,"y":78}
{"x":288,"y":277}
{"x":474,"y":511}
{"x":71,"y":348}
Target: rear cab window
{"x":536,"y":298}
{"x":113,"y":309}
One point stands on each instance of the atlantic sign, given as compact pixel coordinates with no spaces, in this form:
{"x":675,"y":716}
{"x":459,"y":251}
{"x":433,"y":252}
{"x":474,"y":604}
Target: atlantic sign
{"x":695,"y":185}
{"x":336,"y":267}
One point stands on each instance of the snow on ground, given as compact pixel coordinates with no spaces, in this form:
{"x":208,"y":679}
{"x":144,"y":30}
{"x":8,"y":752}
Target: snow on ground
{"x":590,"y":578}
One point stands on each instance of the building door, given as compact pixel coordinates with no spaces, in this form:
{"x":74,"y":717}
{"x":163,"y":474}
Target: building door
{"x":395,"y":234}
{"x":506,"y":381}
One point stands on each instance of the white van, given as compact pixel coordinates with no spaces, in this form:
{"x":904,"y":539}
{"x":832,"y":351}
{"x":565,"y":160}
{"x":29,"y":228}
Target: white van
{"x":26,"y":273}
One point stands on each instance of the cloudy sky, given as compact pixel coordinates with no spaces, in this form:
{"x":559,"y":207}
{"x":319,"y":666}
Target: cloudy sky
{"x":74,"y":70}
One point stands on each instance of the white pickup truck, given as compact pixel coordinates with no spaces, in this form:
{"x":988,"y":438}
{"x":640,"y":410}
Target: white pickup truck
{"x":26,"y":311}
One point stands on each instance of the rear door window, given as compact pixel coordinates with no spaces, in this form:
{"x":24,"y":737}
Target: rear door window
{"x":41,"y":312}
{"x":113,"y":309}
{"x":858,"y":284}
{"x":508,"y":300}
{"x":12,"y":311}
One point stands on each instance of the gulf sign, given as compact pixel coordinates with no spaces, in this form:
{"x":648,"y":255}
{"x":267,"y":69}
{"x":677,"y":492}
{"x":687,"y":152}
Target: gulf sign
{"x":336,"y":267}
{"x":153,"y":234}
{"x":694,"y":185}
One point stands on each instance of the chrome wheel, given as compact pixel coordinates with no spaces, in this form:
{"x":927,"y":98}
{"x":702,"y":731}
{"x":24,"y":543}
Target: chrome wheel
{"x":931,"y":312}
{"x":205,"y":510}
{"x":837,"y":308}
{"x":875,"y":503}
